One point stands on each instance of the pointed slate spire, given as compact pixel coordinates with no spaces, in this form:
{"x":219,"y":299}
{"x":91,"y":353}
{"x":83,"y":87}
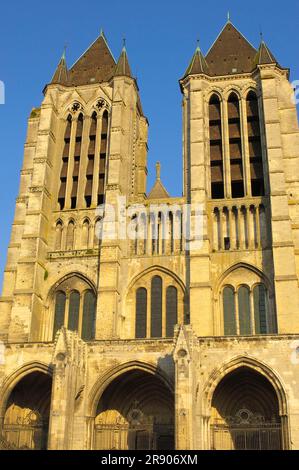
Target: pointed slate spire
{"x":122,"y":67}
{"x":198,"y":64}
{"x":95,"y":65}
{"x":231,"y":53}
{"x":61,"y":74}
{"x":158,"y":191}
{"x":264,"y":55}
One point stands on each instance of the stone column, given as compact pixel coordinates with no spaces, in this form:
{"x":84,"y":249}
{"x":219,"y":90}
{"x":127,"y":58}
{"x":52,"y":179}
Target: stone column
{"x":183,"y":393}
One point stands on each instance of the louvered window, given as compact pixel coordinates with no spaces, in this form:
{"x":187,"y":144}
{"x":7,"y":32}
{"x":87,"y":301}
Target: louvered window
{"x":216,"y":149}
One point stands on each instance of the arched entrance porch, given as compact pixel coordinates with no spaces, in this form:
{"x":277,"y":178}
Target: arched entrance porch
{"x":245,"y":413}
{"x":26,"y":414}
{"x":135,"y":411}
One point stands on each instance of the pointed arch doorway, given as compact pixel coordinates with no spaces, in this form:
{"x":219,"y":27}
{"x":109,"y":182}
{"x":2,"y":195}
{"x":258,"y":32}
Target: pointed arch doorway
{"x":135,"y":412}
{"x":26,"y":414}
{"x":245,"y":413}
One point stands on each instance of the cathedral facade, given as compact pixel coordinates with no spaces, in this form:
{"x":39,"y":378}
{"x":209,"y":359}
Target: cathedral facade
{"x":162,"y":339}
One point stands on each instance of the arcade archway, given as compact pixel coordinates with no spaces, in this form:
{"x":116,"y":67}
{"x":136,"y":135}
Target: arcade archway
{"x":136,"y":411}
{"x":245,"y":413}
{"x":26,"y":417}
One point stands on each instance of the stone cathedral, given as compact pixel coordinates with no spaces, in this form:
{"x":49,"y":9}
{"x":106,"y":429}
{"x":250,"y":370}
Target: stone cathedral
{"x":146,"y":343}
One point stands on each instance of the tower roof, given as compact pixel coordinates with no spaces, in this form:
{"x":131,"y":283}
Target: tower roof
{"x":198,"y":64}
{"x":122,"y":67}
{"x":158,"y":191}
{"x":264,"y":55}
{"x":95,"y":65}
{"x":231,"y":53}
{"x":61,"y":73}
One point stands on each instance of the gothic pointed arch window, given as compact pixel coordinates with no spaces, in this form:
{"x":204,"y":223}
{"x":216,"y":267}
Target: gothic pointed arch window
{"x":89,"y":316}
{"x":260,"y":309}
{"x":74,"y":307}
{"x":216,"y":148}
{"x":247,"y":308}
{"x":235,"y":146}
{"x":141,"y":313}
{"x":255,"y":145}
{"x":159,"y":304}
{"x":156,"y":307}
{"x":244,"y":310}
{"x":229,"y":311}
{"x":65,"y":163}
{"x":70,"y":235}
{"x":74,"y":310}
{"x":60,"y":301}
{"x":171,"y":310}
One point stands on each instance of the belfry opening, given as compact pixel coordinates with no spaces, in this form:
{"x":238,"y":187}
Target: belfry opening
{"x":135,"y":412}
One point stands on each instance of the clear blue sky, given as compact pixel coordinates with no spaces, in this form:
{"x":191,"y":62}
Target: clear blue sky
{"x":161,"y":38}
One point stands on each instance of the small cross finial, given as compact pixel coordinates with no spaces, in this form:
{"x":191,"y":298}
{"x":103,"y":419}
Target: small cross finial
{"x":124,"y":42}
{"x":228,"y":17}
{"x":158,"y":170}
{"x":197,"y":42}
{"x":261,"y":35}
{"x":64,"y":51}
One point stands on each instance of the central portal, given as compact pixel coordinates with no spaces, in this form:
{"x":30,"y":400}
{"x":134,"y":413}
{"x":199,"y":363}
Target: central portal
{"x":136,"y":411}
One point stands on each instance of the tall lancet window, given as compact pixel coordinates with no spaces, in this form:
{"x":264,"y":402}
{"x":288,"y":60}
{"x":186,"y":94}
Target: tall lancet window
{"x":216,"y":152}
{"x":65,"y":163}
{"x":171,"y":310}
{"x":156,"y":307}
{"x":103,"y":155}
{"x":141,"y":313}
{"x":255,"y":146}
{"x":77,"y":155}
{"x":89,"y":316}
{"x":90,"y":161}
{"x":235,"y":146}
